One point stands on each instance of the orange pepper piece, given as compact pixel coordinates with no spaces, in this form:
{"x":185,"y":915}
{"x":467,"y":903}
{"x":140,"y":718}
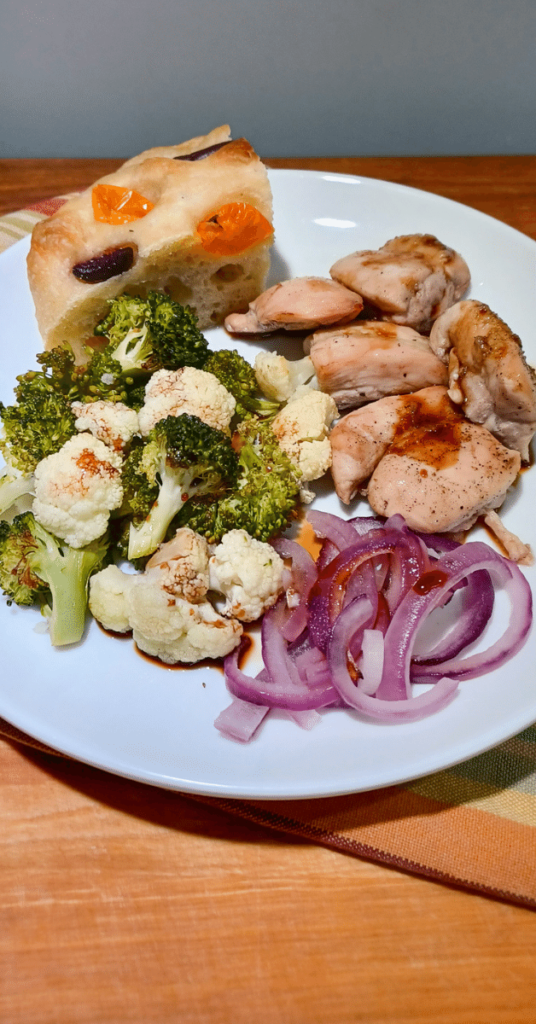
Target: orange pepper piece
{"x":113,"y":204}
{"x":233,"y":228}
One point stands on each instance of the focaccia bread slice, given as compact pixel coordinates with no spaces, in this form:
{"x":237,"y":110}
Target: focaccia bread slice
{"x":194,"y":220}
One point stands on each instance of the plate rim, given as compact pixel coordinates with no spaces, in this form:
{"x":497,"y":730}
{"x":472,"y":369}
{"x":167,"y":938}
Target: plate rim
{"x":232,"y":792}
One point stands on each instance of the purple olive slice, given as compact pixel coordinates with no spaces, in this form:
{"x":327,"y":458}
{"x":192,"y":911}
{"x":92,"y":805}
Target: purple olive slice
{"x":107,"y":264}
{"x":201,"y":154}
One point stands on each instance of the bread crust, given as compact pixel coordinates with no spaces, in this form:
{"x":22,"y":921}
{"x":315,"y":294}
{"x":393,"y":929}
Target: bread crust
{"x":167,"y":248}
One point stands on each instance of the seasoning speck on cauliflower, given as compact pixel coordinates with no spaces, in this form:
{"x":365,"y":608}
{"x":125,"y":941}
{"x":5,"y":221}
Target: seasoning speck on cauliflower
{"x":188,"y":390}
{"x":111,"y":422}
{"x":77,"y":488}
{"x":248,"y":572}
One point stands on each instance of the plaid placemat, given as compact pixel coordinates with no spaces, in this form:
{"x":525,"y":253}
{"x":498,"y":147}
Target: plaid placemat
{"x":473,"y":825}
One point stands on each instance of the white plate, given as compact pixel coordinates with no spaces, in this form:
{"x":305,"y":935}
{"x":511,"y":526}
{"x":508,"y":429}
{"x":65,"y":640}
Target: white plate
{"x":104,"y":704}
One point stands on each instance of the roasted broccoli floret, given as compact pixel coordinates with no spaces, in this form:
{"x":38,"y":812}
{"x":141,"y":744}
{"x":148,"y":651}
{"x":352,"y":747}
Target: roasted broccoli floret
{"x":236,"y":374}
{"x":182,"y":456}
{"x":266,"y":498}
{"x":37,"y":568}
{"x":102,"y":377}
{"x":41,"y":421}
{"x":150,"y":334}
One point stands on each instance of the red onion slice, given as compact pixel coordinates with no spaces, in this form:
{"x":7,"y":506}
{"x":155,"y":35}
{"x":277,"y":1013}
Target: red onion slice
{"x":371,"y":662}
{"x":405,"y":710}
{"x":240,"y":720}
{"x":305,"y":719}
{"x":299,"y":697}
{"x":471,"y":558}
{"x":477,"y":606}
{"x":304,"y":575}
{"x":338,"y":531}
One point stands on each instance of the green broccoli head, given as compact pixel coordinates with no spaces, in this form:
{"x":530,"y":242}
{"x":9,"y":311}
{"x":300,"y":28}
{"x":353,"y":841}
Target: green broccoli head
{"x":150,"y":334}
{"x":41,"y":421}
{"x":266,"y":498}
{"x":18,"y":580}
{"x":238,"y":376}
{"x":182,"y":457}
{"x":139,"y":492}
{"x":101,"y":378}
{"x":128,"y":313}
{"x":37,"y":568}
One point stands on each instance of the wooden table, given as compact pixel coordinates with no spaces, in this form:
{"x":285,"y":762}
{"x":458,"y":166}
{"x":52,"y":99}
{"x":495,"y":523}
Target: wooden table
{"x":121,"y":904}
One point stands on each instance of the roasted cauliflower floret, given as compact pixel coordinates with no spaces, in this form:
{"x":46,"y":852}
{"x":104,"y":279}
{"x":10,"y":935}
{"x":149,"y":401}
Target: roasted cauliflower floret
{"x":77,"y":488}
{"x":111,"y":422}
{"x":174,"y":630}
{"x":166,"y":605}
{"x":107,"y":598}
{"x":248,"y":572}
{"x":188,"y":390}
{"x":182,"y":565}
{"x":278,"y":377}
{"x":302,"y":429}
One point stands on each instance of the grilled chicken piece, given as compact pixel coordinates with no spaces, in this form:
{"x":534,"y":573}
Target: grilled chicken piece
{"x":371,"y":359}
{"x":411,"y":280}
{"x":489,"y":376}
{"x":301,"y":304}
{"x":422,"y":459}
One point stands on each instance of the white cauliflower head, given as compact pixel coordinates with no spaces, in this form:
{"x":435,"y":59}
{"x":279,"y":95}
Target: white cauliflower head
{"x":111,"y":422}
{"x":174,"y":630}
{"x":188,"y":390}
{"x":181,"y":565}
{"x":248,"y":572}
{"x":107,"y":598}
{"x":77,"y":488}
{"x":278,"y":377}
{"x":302,"y":429}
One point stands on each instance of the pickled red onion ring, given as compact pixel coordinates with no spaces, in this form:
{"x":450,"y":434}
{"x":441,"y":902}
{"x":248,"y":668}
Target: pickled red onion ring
{"x":408,"y":709}
{"x":350,"y":640}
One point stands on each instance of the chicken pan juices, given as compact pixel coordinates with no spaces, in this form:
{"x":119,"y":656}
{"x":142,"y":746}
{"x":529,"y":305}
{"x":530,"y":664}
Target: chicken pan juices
{"x":158,"y":481}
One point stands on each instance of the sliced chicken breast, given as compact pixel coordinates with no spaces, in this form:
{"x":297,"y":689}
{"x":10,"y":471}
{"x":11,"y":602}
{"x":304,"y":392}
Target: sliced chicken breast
{"x":301,"y":304}
{"x":489,"y":376}
{"x":411,"y":280}
{"x":417,"y":455}
{"x":370,"y":359}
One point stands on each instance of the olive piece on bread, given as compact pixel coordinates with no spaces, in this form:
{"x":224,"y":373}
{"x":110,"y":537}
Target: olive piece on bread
{"x":106,"y":265}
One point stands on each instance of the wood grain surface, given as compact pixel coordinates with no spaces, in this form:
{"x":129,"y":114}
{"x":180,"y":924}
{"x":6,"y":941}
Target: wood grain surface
{"x":124,"y":904}
{"x":501,"y":186}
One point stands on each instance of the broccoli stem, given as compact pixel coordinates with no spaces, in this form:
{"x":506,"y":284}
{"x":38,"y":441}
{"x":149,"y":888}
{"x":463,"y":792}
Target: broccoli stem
{"x":174,"y":490}
{"x":132,"y":352}
{"x":66,"y":575}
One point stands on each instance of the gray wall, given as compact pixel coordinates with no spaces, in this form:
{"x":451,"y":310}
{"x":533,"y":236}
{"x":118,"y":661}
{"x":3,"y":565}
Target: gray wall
{"x":297,"y":77}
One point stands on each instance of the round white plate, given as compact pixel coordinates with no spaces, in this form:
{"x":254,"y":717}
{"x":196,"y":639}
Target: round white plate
{"x":104,"y":704}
